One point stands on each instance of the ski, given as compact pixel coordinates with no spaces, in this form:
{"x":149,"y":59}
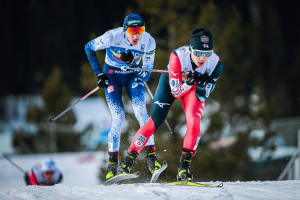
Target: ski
{"x":188,"y":183}
{"x":121,"y":177}
{"x":157,"y":173}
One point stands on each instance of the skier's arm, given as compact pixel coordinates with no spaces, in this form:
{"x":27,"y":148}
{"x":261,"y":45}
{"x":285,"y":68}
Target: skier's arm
{"x":203,"y":93}
{"x":33,"y":179}
{"x":60,"y":178}
{"x":26,"y":178}
{"x":148,"y":60}
{"x":178,"y":88}
{"x":101,"y":42}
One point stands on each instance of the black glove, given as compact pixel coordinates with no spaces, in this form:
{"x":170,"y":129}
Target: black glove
{"x":26,"y":178}
{"x":127,"y":58}
{"x":191,"y":78}
{"x":103,"y":80}
{"x":203,"y":80}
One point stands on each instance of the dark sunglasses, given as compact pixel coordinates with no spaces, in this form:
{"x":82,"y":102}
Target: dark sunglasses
{"x":49,"y":172}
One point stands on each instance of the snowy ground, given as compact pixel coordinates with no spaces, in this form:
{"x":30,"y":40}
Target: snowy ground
{"x":80,"y":182}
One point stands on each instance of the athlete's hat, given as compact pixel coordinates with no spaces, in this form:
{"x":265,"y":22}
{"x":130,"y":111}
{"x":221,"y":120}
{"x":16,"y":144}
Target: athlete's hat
{"x":133,"y":20}
{"x":201,"y":39}
{"x":48,"y":164}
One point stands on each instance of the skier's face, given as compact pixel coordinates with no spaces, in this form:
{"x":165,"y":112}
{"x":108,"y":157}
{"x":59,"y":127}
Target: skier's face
{"x":199,"y":61}
{"x":133,"y":39}
{"x":48,"y":175}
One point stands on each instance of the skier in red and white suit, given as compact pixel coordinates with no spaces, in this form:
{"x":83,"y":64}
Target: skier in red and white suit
{"x":193,"y":73}
{"x":44,"y":174}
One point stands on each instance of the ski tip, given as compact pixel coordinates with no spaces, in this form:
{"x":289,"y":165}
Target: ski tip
{"x":220,"y":185}
{"x":165,"y":162}
{"x":120,"y":177}
{"x":138,"y":173}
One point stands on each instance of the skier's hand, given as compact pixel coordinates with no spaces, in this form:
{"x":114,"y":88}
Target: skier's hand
{"x":141,"y":74}
{"x":203,"y":80}
{"x":103,"y":80}
{"x":26,"y":178}
{"x":127,"y":58}
{"x":191,"y":78}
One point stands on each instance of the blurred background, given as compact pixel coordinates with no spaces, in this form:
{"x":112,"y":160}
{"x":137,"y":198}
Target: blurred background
{"x":250,"y":124}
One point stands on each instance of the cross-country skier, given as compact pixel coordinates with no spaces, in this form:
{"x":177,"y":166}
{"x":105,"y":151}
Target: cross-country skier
{"x":45,"y":174}
{"x":193,"y":73}
{"x":126,"y":45}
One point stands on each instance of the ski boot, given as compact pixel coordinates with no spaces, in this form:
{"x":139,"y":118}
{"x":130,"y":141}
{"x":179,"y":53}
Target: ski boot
{"x":112,"y":165}
{"x":183,"y":170}
{"x":153,"y":164}
{"x":127,"y":163}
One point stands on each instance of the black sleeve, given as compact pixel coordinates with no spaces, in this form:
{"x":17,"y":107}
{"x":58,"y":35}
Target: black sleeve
{"x":26,"y":178}
{"x":60,"y":178}
{"x":217,"y":72}
{"x":202,"y":93}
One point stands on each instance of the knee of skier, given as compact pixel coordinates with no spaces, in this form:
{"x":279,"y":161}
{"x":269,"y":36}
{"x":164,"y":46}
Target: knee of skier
{"x":193,"y":123}
{"x":118,"y":119}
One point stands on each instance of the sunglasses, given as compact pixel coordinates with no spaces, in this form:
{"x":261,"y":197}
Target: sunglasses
{"x":199,"y":53}
{"x":134,"y":30}
{"x":49,"y":172}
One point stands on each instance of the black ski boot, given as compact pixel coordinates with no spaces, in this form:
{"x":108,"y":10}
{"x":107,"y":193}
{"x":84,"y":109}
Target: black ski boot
{"x":127,"y":162}
{"x":153,"y":164}
{"x":183,"y":170}
{"x":112,"y":164}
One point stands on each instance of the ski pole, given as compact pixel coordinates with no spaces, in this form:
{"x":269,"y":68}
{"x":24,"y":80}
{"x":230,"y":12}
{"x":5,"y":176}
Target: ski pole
{"x":14,"y":164}
{"x":151,"y":95}
{"x":148,"y":70}
{"x":52,"y":119}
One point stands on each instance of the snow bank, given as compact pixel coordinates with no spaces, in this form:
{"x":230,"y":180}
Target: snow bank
{"x":231,"y":190}
{"x":80,"y":183}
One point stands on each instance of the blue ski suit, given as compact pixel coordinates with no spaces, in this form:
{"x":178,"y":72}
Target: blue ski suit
{"x":115,"y":42}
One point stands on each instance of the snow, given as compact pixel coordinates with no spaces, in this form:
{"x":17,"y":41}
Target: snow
{"x":80,"y":182}
{"x":230,"y":190}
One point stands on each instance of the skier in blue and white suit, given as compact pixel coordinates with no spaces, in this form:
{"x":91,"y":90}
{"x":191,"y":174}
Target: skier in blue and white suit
{"x":126,"y":45}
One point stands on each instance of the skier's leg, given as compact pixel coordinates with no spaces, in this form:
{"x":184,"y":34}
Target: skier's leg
{"x":113,"y":96}
{"x":193,"y":110}
{"x":162,"y":102}
{"x":136,"y":92}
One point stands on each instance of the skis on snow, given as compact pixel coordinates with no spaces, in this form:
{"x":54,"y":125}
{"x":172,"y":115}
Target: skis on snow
{"x":188,"y":183}
{"x":157,"y":173}
{"x":155,"y":176}
{"x":122,"y":177}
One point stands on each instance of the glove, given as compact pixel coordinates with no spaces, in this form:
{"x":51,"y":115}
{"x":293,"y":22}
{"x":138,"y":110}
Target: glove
{"x":103,"y":80}
{"x":141,"y":74}
{"x":26,"y":178}
{"x":191,"y":78}
{"x":203,"y":80}
{"x":127,"y":58}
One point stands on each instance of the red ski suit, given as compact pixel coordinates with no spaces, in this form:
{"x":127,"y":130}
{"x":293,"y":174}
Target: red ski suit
{"x":192,"y":108}
{"x":35,"y":177}
{"x":192,"y":99}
